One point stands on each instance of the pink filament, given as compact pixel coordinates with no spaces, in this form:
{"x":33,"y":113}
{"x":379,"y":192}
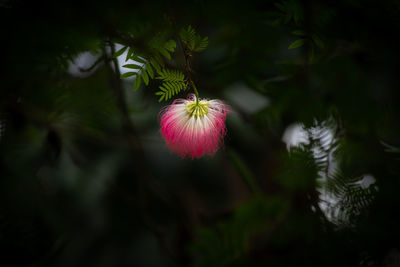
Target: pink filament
{"x":192,"y":136}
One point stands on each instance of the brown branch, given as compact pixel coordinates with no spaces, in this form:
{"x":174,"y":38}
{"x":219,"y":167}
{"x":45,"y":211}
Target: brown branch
{"x":97,"y":62}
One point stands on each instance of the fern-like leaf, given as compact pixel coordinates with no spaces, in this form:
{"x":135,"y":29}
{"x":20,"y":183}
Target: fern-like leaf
{"x":188,"y":36}
{"x":170,"y":89}
{"x":200,"y":44}
{"x":343,"y":195}
{"x":171,"y":75}
{"x":173,"y":83}
{"x":192,"y":40}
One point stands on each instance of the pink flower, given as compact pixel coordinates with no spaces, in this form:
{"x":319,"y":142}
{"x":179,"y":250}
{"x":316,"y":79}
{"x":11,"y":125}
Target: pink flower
{"x":192,"y":128}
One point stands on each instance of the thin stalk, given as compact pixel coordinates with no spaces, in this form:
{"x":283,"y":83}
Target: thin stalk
{"x":188,"y":70}
{"x":195,"y":91}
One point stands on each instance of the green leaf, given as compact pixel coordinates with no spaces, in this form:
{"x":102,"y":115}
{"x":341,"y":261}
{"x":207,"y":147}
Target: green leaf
{"x":299,"y":32}
{"x":132,"y":66}
{"x":159,"y":60}
{"x":164,"y":52}
{"x":127,"y":74}
{"x":136,"y":84}
{"x":170,"y":45}
{"x":149,"y":70}
{"x":119,"y":52}
{"x":200,"y":44}
{"x":161,"y":98}
{"x":187,"y":35}
{"x":171,"y":75}
{"x":155,"y":65}
{"x":192,"y":40}
{"x":296,"y":17}
{"x":129,"y":54}
{"x":145,"y":77}
{"x":171,"y":87}
{"x":138,"y":59}
{"x":296,"y":43}
{"x":318,"y":41}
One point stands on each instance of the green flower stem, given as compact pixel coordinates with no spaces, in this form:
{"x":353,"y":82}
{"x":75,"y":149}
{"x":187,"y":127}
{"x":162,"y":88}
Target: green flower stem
{"x":195,"y":91}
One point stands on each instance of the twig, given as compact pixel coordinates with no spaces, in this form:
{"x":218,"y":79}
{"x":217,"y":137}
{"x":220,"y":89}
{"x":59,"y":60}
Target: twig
{"x":98,"y":61}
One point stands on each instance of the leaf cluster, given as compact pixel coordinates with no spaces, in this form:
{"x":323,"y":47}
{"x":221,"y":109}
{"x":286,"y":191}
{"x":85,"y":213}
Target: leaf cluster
{"x":193,"y":41}
{"x":173,"y":80}
{"x":313,"y":40}
{"x":147,"y":66}
{"x":291,"y":11}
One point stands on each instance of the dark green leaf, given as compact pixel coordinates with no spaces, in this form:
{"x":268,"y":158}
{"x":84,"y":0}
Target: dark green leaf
{"x":164,"y":52}
{"x":119,"y":52}
{"x":127,"y":74}
{"x":132,"y":66}
{"x":155,"y":65}
{"x":149,"y":70}
{"x":296,"y":43}
{"x":318,"y":41}
{"x":129,"y":54}
{"x":200,"y":44}
{"x":299,"y":32}
{"x":170,"y":45}
{"x":187,"y":35}
{"x":159,"y":60}
{"x":138,"y":59}
{"x":145,"y":77}
{"x":136,"y":84}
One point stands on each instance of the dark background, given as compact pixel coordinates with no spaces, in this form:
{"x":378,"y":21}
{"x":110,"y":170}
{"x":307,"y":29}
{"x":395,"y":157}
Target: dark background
{"x":85,"y":177}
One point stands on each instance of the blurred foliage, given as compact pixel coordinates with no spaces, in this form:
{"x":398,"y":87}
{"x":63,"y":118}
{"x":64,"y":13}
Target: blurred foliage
{"x":310,"y":169}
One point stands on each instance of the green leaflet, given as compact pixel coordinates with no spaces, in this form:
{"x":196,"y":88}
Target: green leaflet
{"x":171,"y":75}
{"x":119,"y":52}
{"x":149,"y":70}
{"x":129,"y":54}
{"x":127,"y":74}
{"x":155,"y":65}
{"x":170,"y":45}
{"x":297,"y":43}
{"x":136,"y":84}
{"x":132,"y":66}
{"x":138,"y":59}
{"x":192,"y":40}
{"x":318,"y":41}
{"x":187,"y":36}
{"x":164,"y":52}
{"x":299,"y":32}
{"x":201,"y":44}
{"x":145,"y":77}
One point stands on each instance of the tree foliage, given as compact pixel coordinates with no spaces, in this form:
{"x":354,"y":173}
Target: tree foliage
{"x":309,"y":173}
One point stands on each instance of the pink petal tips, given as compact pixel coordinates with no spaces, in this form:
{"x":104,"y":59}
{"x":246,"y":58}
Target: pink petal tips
{"x":194,"y":128}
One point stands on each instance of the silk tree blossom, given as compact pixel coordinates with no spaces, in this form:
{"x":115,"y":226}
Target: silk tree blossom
{"x":194,"y":128}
